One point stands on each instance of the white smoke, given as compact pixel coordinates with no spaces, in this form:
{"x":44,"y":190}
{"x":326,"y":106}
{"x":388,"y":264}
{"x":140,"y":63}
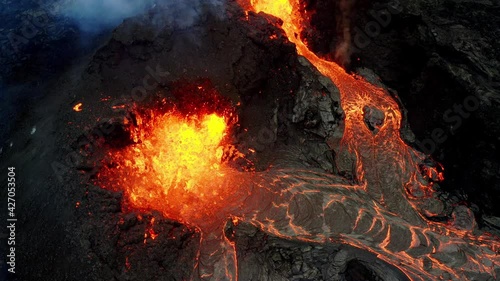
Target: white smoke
{"x":343,"y":48}
{"x":95,"y":15}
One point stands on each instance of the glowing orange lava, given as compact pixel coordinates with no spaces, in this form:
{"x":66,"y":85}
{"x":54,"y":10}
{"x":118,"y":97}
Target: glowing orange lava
{"x":78,"y":107}
{"x":372,"y":148}
{"x":174,"y":166}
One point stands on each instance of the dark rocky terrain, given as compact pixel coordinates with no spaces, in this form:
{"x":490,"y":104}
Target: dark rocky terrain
{"x":442,"y":57}
{"x":434,"y":54}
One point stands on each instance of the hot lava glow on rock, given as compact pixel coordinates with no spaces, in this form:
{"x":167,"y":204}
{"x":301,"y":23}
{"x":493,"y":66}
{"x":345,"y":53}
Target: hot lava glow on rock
{"x":175,"y":165}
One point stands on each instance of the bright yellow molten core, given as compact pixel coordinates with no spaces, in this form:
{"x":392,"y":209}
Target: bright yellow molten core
{"x":174,"y":167}
{"x":182,"y":153}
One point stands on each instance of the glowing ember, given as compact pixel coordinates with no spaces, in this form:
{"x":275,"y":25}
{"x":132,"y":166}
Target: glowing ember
{"x":78,"y":107}
{"x":150,"y":232}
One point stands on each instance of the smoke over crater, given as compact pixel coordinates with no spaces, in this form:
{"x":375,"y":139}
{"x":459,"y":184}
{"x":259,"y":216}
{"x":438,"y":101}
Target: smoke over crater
{"x":95,"y":15}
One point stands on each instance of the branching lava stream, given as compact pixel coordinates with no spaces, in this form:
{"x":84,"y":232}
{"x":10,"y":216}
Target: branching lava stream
{"x":175,"y":166}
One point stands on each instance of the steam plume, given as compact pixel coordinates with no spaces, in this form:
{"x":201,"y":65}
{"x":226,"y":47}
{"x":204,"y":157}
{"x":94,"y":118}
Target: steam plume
{"x":95,"y":15}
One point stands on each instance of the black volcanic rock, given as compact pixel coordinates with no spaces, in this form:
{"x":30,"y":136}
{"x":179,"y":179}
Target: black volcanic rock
{"x":84,"y":231}
{"x":442,"y":57}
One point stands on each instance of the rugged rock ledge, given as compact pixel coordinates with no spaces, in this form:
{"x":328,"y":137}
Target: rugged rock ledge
{"x":80,"y":228}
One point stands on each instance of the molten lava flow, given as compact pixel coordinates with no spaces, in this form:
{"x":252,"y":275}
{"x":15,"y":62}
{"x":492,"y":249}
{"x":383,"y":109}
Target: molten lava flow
{"x":402,"y":177}
{"x":78,"y":107}
{"x":370,"y":147}
{"x":174,"y":166}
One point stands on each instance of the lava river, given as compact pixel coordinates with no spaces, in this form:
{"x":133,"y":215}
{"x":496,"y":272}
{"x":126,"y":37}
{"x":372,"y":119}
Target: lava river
{"x":176,"y":166}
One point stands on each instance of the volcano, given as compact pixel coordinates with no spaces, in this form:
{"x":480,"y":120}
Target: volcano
{"x":236,"y":146}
